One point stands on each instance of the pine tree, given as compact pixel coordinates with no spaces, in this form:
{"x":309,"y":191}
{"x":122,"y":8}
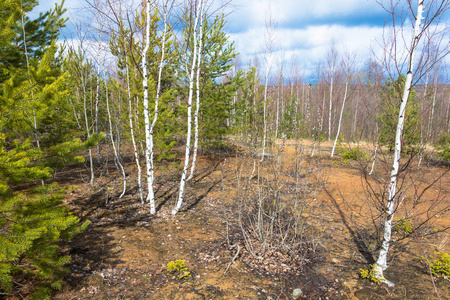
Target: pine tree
{"x":216,"y":97}
{"x":37,"y":136}
{"x":390,"y":98}
{"x":32,"y":223}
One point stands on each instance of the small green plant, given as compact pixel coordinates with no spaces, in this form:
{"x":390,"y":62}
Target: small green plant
{"x":439,"y":265}
{"x":353,"y":153}
{"x":404,"y":225}
{"x":369,"y":274}
{"x":445,"y":154}
{"x":178,"y":268}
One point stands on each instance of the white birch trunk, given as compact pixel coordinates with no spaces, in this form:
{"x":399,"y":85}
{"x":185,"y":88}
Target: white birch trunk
{"x":277,"y":117}
{"x":331,"y":99}
{"x":130,"y":118}
{"x":264,"y":112}
{"x":421,"y":148}
{"x":189,"y":116}
{"x":148,"y":139}
{"x":356,"y":113}
{"x":430,"y":120}
{"x":340,"y":120}
{"x":197,"y":102}
{"x":116,"y":156}
{"x":151,"y":194}
{"x":374,"y":159}
{"x":322,"y":113}
{"x":88,"y":131}
{"x":381,"y":263}
{"x":97,"y":90}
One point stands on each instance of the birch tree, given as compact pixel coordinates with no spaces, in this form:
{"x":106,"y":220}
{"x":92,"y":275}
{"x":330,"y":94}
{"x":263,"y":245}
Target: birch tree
{"x":347,"y":66}
{"x":111,"y":135}
{"x":150,"y":168}
{"x":197,"y":102}
{"x":423,"y":33}
{"x":332,"y":59}
{"x":269,"y":39}
{"x":199,"y":10}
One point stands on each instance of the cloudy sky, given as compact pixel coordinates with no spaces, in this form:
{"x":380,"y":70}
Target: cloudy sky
{"x":303,"y":30}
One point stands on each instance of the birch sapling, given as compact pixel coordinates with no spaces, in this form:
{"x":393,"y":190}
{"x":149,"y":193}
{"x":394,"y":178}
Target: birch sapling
{"x":130,"y":118}
{"x":347,"y":65}
{"x":148,"y":141}
{"x":268,"y":58}
{"x":381,"y":263}
{"x":197,"y":103}
{"x":340,"y":119}
{"x":189,"y":115}
{"x":116,"y":155}
{"x":97,"y":90}
{"x":332,"y":57}
{"x":151,"y":195}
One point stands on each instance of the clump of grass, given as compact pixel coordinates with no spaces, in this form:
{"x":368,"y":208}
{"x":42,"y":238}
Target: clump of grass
{"x":179,"y":269}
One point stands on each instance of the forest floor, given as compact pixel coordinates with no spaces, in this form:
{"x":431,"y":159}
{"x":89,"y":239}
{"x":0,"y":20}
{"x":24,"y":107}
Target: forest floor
{"x":124,"y":252}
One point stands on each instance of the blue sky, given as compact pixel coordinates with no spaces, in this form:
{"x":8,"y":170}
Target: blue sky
{"x":304,"y":29}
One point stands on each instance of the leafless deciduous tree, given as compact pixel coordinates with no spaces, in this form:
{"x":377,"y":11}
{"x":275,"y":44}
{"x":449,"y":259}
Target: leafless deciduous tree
{"x":400,"y":53}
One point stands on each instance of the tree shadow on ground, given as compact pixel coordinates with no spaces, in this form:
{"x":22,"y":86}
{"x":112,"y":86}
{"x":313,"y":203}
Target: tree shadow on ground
{"x":95,"y":249}
{"x":358,"y":239}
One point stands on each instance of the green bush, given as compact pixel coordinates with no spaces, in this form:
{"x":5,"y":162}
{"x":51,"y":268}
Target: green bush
{"x":445,"y":154}
{"x":353,"y":153}
{"x":443,"y":141}
{"x":439,"y":265}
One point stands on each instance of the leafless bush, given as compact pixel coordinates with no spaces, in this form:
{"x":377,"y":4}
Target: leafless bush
{"x":269,"y":213}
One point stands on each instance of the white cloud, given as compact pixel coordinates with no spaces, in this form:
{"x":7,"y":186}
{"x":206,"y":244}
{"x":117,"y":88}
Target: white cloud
{"x":308,"y":45}
{"x":253,"y":12}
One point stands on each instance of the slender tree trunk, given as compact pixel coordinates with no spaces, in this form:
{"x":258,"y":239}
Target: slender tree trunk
{"x":116,"y":156}
{"x":130,"y":118}
{"x":264,"y":113}
{"x":374,"y":159}
{"x":148,"y":138}
{"x":151,"y":195}
{"x":381,"y":263}
{"x":356,"y":113}
{"x":197,"y":102}
{"x":277,"y":117}
{"x":331,"y":100}
{"x":421,"y":147}
{"x":189,"y":116}
{"x":97,"y":90}
{"x":340,"y":120}
{"x":431,"y":118}
{"x":88,"y":131}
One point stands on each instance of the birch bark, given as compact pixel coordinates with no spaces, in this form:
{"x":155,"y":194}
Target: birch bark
{"x":130,"y":118}
{"x":151,"y":194}
{"x":148,"y":140}
{"x":116,"y":156}
{"x":189,"y":116}
{"x":381,"y":263}
{"x":340,"y":119}
{"x":197,"y":103}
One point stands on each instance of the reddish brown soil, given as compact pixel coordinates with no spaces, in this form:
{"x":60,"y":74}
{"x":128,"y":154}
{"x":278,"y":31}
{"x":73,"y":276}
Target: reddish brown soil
{"x":124,"y":253}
